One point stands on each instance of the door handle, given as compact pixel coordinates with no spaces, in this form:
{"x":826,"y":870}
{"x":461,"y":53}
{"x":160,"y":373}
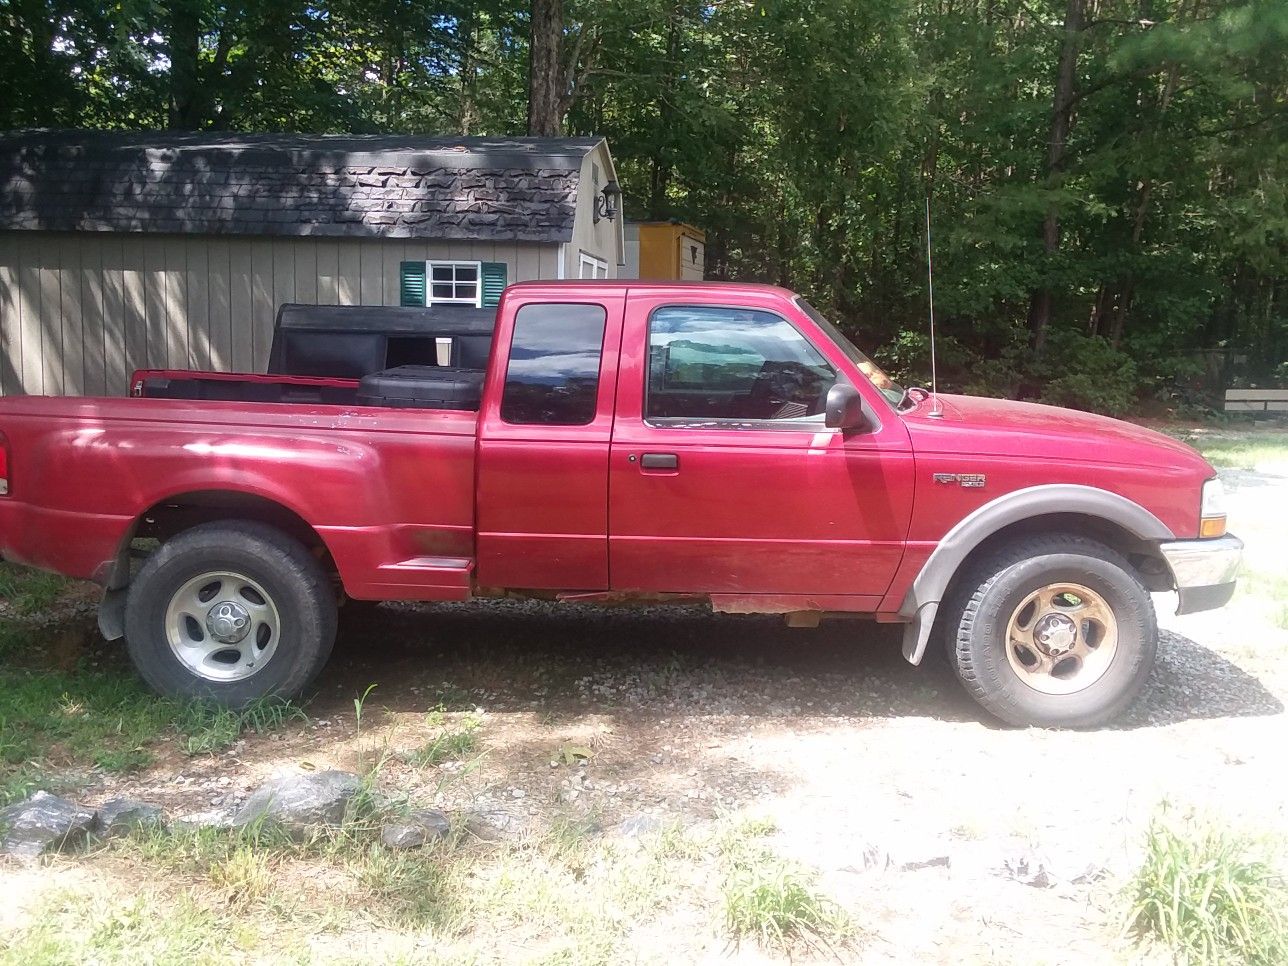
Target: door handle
{"x":659,"y":461}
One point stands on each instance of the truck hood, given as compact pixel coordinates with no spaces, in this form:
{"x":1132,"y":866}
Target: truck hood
{"x":1004,"y":427}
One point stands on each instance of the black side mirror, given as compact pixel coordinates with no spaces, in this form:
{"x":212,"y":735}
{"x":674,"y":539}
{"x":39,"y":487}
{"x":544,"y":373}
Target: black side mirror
{"x":845,"y":409}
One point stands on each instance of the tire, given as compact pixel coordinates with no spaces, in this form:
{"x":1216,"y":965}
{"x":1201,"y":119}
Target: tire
{"x":241,"y":583}
{"x":1034,"y":654}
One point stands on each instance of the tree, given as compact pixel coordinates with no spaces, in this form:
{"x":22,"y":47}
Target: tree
{"x":545,"y":99}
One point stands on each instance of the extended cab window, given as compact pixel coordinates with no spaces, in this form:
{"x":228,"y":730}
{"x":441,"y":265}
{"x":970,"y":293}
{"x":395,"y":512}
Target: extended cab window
{"x":732,"y":364}
{"x":552,"y":378}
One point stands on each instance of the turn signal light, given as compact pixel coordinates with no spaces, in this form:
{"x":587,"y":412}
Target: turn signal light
{"x":1212,"y":527}
{"x":4,"y":466}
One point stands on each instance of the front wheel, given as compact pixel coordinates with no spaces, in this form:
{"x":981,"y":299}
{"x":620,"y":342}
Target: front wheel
{"x":1052,"y":631}
{"x":230,"y":612}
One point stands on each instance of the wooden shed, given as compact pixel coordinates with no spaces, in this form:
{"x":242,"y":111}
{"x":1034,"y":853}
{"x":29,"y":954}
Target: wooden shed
{"x":123,"y":251}
{"x":664,"y":250}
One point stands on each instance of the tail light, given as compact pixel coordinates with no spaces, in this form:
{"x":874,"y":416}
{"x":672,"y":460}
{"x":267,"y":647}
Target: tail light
{"x":4,"y":466}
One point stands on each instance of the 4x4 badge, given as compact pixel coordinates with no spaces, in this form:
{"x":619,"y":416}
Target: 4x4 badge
{"x":969,"y":480}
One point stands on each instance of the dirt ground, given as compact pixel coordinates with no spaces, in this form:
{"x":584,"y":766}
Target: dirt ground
{"x":948,"y":837}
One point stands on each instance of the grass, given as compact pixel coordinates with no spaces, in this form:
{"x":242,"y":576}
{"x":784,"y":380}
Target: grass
{"x":563,"y":894}
{"x":208,"y":728}
{"x":1245,"y":451}
{"x":1208,"y":896}
{"x":29,"y":592}
{"x":452,"y":740}
{"x":773,"y":901}
{"x":53,"y":721}
{"x":88,"y":926}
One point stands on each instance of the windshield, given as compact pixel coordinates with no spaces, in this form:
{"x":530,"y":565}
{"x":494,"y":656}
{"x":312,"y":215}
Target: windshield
{"x":874,"y":373}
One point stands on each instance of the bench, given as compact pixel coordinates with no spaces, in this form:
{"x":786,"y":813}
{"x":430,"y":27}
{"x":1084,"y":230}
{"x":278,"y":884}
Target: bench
{"x":1256,"y":400}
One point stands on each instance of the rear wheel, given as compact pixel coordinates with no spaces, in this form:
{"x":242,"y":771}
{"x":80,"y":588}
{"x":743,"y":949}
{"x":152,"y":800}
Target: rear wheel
{"x":230,"y":612}
{"x":1052,"y":631}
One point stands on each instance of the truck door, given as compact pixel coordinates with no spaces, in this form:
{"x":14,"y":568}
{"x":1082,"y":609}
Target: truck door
{"x":544,"y":431}
{"x":724,"y":479}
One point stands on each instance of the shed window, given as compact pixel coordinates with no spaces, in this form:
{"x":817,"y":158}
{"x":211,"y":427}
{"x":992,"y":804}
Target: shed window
{"x":453,"y":283}
{"x":592,"y":267}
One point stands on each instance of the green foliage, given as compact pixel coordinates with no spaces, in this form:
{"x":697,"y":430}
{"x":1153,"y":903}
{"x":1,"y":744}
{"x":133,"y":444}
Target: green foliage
{"x":1205,"y":894}
{"x":1086,"y":372}
{"x":804,"y":136}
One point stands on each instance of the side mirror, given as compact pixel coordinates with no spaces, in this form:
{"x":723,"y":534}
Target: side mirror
{"x":845,"y":409}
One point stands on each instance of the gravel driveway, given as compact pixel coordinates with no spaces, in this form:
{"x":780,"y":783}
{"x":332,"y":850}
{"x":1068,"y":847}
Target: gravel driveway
{"x":950,"y":838}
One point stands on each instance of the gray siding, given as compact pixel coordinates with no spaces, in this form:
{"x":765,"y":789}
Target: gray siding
{"x":602,"y":240}
{"x":80,"y":311}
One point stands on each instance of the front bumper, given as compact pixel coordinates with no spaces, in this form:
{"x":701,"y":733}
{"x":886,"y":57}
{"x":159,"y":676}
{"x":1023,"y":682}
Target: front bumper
{"x":1204,"y":571}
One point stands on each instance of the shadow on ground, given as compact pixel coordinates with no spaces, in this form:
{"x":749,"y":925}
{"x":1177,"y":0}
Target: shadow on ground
{"x":565,"y":660}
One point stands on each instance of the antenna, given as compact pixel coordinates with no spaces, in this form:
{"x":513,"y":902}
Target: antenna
{"x":935,"y":411}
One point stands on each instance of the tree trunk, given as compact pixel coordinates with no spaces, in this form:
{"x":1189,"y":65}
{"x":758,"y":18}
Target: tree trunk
{"x":1057,"y":147}
{"x":1138,"y":220}
{"x":469,"y":72}
{"x":183,"y":40}
{"x":543,"y":69}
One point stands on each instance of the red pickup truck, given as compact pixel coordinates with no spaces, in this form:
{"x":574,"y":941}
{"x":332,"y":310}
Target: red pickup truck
{"x":628,"y":441}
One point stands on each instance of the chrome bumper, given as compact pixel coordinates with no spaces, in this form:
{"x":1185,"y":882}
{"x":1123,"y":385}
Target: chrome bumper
{"x":1204,"y":571}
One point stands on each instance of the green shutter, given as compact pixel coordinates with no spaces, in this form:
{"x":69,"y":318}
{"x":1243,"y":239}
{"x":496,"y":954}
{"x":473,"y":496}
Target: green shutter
{"x":412,"y":287}
{"x":494,"y":279}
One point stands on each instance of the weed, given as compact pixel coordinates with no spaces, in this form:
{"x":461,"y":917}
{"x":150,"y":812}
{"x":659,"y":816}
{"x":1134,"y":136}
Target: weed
{"x":243,"y":878}
{"x":1205,"y":894}
{"x":410,"y":889}
{"x":771,"y":900}
{"x":452,"y":740}
{"x":777,"y":904}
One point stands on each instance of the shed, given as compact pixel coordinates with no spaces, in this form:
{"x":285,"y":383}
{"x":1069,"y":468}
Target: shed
{"x":142,"y":250}
{"x":664,"y":250}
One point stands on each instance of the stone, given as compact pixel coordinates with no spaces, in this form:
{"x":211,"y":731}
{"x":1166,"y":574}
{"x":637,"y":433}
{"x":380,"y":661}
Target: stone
{"x":120,"y":816}
{"x":44,"y":823}
{"x":1044,"y":871}
{"x":637,"y":826}
{"x":299,"y":802}
{"x":211,"y":818}
{"x":420,"y":828}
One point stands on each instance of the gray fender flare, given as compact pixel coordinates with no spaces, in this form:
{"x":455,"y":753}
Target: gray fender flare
{"x":922,"y":601}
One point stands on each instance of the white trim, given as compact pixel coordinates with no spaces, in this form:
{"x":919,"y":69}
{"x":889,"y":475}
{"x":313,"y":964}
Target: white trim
{"x":562,"y":262}
{"x":598,"y":266}
{"x":431,"y":264}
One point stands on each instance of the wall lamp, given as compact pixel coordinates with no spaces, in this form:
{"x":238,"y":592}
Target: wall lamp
{"x":606,"y":204}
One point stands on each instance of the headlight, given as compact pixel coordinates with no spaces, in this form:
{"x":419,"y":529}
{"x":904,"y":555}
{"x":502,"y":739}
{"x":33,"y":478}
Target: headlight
{"x":1212,"y":509}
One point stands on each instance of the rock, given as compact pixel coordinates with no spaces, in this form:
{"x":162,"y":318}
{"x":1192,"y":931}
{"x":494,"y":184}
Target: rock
{"x":1044,"y":871}
{"x":44,"y":823}
{"x":298,"y":802}
{"x":491,"y":825}
{"x":211,"y":818}
{"x":420,"y":828}
{"x":637,"y":826}
{"x":121,"y":816}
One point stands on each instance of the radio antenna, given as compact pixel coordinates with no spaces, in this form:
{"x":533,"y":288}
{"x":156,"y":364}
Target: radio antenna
{"x":930,"y":279}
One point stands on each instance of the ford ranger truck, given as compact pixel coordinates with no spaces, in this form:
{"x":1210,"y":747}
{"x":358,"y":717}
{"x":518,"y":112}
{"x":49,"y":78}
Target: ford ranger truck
{"x":628,"y":441}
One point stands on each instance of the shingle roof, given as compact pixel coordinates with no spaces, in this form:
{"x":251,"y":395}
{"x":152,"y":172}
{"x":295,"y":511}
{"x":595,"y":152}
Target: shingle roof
{"x":344,"y":185}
